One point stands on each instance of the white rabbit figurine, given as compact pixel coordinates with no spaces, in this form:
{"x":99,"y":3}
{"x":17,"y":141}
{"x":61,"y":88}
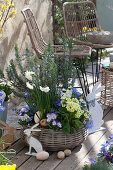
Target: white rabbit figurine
{"x":95,"y":109}
{"x":33,"y":143}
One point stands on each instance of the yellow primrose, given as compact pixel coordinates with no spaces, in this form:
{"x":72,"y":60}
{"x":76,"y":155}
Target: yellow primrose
{"x":86,"y":115}
{"x":75,"y":100}
{"x":94,"y":28}
{"x":84,"y":28}
{"x":90,"y":29}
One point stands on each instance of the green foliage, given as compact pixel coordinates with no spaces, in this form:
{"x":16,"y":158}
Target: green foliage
{"x":3,"y":159}
{"x":99,"y":165}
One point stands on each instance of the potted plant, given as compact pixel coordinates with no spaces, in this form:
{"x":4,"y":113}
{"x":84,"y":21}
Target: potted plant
{"x":47,"y":88}
{"x":5,"y":88}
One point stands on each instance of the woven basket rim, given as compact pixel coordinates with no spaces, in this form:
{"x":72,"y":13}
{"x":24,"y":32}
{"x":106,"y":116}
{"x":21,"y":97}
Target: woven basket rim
{"x":107,"y":70}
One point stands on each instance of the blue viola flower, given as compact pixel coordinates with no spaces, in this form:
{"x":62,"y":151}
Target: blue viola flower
{"x":58,"y":102}
{"x":75,"y":91}
{"x":110,"y":137}
{"x":26,"y":94}
{"x":89,"y":124}
{"x":14,"y":109}
{"x":92,"y":160}
{"x":1,"y":93}
{"x":2,"y":108}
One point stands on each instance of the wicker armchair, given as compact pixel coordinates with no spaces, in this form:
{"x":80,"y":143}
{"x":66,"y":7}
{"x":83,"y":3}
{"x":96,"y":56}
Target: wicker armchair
{"x":39,"y":44}
{"x":79,"y":19}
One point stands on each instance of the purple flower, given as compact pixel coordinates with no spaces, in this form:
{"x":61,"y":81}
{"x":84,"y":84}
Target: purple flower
{"x":53,"y":116}
{"x":108,"y":156}
{"x":54,"y":123}
{"x":92,"y":160}
{"x":30,"y":119}
{"x":48,"y":120}
{"x":2,"y":108}
{"x":1,"y":101}
{"x":23,"y":109}
{"x":59,"y":125}
{"x":48,"y":115}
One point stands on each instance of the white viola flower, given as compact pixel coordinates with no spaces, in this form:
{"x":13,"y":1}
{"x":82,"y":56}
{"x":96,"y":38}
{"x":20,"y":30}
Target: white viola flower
{"x":45,"y":89}
{"x":29,"y":85}
{"x":9,"y":83}
{"x":3,"y":83}
{"x":28,"y":74}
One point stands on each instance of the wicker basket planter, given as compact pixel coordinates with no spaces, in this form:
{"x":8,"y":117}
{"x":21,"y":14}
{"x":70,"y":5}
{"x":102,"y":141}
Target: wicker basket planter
{"x":58,"y":140}
{"x":107,"y":81}
{"x":100,"y":39}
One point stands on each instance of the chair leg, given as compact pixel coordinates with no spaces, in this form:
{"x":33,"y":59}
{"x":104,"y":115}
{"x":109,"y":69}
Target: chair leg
{"x":81,"y":75}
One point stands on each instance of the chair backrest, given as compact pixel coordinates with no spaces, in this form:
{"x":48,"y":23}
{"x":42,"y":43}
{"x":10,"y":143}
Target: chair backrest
{"x":38,"y":43}
{"x":79,"y":18}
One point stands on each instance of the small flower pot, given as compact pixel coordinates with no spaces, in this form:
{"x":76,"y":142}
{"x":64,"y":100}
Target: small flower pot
{"x":8,"y":167}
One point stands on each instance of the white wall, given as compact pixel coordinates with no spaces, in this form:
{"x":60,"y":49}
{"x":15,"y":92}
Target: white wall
{"x":16,"y":30}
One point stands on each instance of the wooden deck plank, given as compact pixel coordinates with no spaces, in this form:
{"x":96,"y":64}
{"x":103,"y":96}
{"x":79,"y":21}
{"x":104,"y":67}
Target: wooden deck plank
{"x":96,"y":148}
{"x":31,"y":164}
{"x":75,"y":158}
{"x":21,"y":157}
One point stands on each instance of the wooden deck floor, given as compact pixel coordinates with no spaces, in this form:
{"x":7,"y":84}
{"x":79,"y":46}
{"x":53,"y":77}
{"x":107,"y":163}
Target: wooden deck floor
{"x":80,"y":155}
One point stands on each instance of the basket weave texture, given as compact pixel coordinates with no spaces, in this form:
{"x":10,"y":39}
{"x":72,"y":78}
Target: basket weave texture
{"x":100,"y":39}
{"x":107,"y":81}
{"x":58,"y":140}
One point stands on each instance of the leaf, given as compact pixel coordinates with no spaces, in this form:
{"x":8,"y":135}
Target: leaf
{"x":77,"y":123}
{"x":66,"y":127}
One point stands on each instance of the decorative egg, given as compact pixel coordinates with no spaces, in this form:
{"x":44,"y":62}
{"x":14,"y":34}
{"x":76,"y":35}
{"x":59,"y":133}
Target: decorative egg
{"x":36,"y":118}
{"x":111,"y":65}
{"x":67,"y":152}
{"x":61,"y":155}
{"x":43,"y":122}
{"x":42,"y":155}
